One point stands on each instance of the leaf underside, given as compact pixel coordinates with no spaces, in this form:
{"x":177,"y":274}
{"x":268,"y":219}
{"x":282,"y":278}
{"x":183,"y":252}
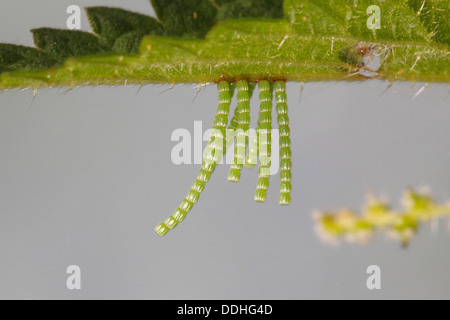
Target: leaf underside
{"x":204,"y":41}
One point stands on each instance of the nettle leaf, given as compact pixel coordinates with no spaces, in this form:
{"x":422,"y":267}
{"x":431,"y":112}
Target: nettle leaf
{"x":115,"y":24}
{"x":317,"y":17}
{"x":129,"y":42}
{"x":300,"y":41}
{"x":346,"y":17}
{"x":13,"y":57}
{"x":436,"y":17}
{"x":192,"y":18}
{"x":231,"y":9}
{"x":62,"y":44}
{"x":398,"y":22}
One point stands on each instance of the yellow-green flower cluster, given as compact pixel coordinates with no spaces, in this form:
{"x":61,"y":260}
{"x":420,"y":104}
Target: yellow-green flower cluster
{"x":377,"y":215}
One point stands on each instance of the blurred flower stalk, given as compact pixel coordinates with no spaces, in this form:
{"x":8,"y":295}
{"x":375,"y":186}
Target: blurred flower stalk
{"x":377,"y":216}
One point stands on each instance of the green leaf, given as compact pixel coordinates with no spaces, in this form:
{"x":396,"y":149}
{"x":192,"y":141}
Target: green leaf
{"x":231,"y":9}
{"x":13,"y":57}
{"x":397,"y":22}
{"x":308,"y":44}
{"x":435,"y":15}
{"x":344,"y":17}
{"x":129,"y":42}
{"x":317,"y":17}
{"x":62,"y":44}
{"x":111,"y":24}
{"x":192,"y":18}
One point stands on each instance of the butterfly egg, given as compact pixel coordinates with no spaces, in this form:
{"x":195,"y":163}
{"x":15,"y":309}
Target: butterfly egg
{"x":285,"y":164}
{"x":285,"y":131}
{"x":186,"y":205}
{"x":263,"y":183}
{"x":265,"y":117}
{"x":265,"y":146}
{"x":284,"y":141}
{"x":209,"y":155}
{"x":203,"y":176}
{"x":193,"y":196}
{"x":265,"y":127}
{"x":285,"y":198}
{"x":171,"y":222}
{"x":240,"y":151}
{"x":162,"y":229}
{"x":260,"y":195}
{"x":213,"y":152}
{"x":221,"y":121}
{"x":234,"y":175}
{"x":285,"y":176}
{"x":212,"y":155}
{"x":283,"y":120}
{"x":198,"y":186}
{"x":252,"y":156}
{"x":208,"y":167}
{"x":286,"y":187}
{"x":264,"y":172}
{"x":265,"y":157}
{"x":179,"y":215}
{"x":285,"y":153}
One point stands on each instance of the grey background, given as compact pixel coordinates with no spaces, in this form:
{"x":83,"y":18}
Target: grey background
{"x":85,"y":176}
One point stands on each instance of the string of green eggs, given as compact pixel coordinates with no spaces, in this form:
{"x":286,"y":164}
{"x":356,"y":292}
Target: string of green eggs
{"x":244,"y":153}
